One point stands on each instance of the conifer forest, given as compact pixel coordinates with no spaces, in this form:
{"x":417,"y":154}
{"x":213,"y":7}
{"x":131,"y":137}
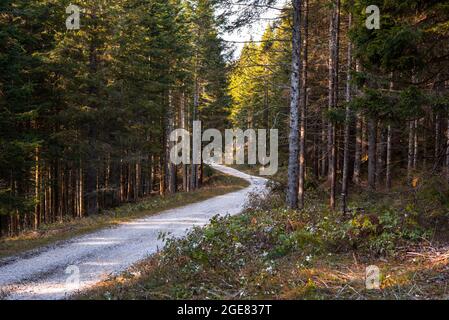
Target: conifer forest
{"x":346,"y":101}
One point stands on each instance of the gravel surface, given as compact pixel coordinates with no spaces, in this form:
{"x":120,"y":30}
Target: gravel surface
{"x":50,"y":273}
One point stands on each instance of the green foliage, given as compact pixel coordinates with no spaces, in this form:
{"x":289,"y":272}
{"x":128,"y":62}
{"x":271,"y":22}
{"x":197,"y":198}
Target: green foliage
{"x":258,"y":80}
{"x":99,"y":97}
{"x":430,"y":201}
{"x":411,"y":102}
{"x":382,"y":232}
{"x":269,"y":250}
{"x":298,"y":240}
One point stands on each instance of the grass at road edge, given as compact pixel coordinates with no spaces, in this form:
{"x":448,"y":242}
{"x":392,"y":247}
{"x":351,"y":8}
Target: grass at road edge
{"x":215,"y":185}
{"x":270,"y":252}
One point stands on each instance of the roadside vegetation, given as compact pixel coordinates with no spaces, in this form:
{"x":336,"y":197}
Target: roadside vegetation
{"x":270,"y":252}
{"x":215,"y":184}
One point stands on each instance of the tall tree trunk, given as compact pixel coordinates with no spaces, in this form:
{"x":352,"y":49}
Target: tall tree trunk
{"x":381,"y":149}
{"x":185,"y":180}
{"x":447,"y":150}
{"x":122,"y":181}
{"x":170,"y":167}
{"x":81,"y":203}
{"x":333,"y":98}
{"x":358,"y":150}
{"x":138,"y":187}
{"x":358,"y":141}
{"x":411,"y":150}
{"x":388,"y":163}
{"x":37,"y":190}
{"x":293,"y":165}
{"x":389,"y":158}
{"x":129,"y":179}
{"x":316,"y":150}
{"x":372,"y":137}
{"x":194,"y":167}
{"x":345,"y":183}
{"x":90,"y":189}
{"x":162,"y":185}
{"x":324,"y":155}
{"x":303,"y":106}
{"x":437,"y":141}
{"x":416,"y":145}
{"x":114,"y":184}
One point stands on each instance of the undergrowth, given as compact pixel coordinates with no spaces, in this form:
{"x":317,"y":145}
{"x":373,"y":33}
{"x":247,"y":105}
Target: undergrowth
{"x":275,"y":253}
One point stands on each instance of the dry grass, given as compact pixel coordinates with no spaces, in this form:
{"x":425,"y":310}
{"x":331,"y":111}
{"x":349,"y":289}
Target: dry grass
{"x":336,"y":277}
{"x":273,"y":253}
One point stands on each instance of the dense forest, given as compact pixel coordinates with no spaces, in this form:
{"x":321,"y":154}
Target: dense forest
{"x":86,"y":114}
{"x":357,"y":89}
{"x":371,"y":106}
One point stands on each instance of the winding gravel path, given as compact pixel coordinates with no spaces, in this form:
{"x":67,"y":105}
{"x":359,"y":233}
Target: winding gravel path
{"x":41,"y":274}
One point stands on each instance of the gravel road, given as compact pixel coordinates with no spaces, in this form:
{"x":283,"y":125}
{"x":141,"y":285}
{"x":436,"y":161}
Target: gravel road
{"x":50,"y":273}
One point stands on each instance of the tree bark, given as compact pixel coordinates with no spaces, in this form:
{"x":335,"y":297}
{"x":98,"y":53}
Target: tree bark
{"x":358,"y":141}
{"x":358,"y":150}
{"x":194,"y":167}
{"x":170,"y":169}
{"x":389,"y":158}
{"x":90,"y":189}
{"x":345,"y":182}
{"x":37,"y":190}
{"x":333,"y":98}
{"x":293,"y":165}
{"x":437,"y":141}
{"x":185,"y":178}
{"x":447,"y":150}
{"x":416,"y":145}
{"x":303,"y":112}
{"x":411,"y":150}
{"x":388,"y":163}
{"x":372,"y":137}
{"x":381,"y":151}
{"x":324,"y":155}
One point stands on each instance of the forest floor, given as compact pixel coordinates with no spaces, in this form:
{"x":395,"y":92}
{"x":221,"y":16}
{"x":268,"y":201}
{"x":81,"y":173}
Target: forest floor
{"x":269,"y":252}
{"x":62,"y":269}
{"x":215,"y":185}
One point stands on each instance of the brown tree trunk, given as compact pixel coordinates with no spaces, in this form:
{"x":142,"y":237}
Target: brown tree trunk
{"x":345,"y":182}
{"x":324,"y":155}
{"x":358,"y":141}
{"x":129,"y":180}
{"x":37,"y":190}
{"x":381,"y":150}
{"x":358,"y":150}
{"x":389,"y":158}
{"x":303,"y":112}
{"x":138,"y":186}
{"x":90,"y":188}
{"x":411,"y":150}
{"x":81,"y":203}
{"x":389,"y":133}
{"x":333,"y":98}
{"x":171,"y":169}
{"x":437,"y":141}
{"x":372,"y":137}
{"x":447,"y":150}
{"x":416,"y":145}
{"x":185,"y":170}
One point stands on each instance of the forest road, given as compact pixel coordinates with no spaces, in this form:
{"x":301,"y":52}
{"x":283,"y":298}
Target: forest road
{"x":65,"y":268}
